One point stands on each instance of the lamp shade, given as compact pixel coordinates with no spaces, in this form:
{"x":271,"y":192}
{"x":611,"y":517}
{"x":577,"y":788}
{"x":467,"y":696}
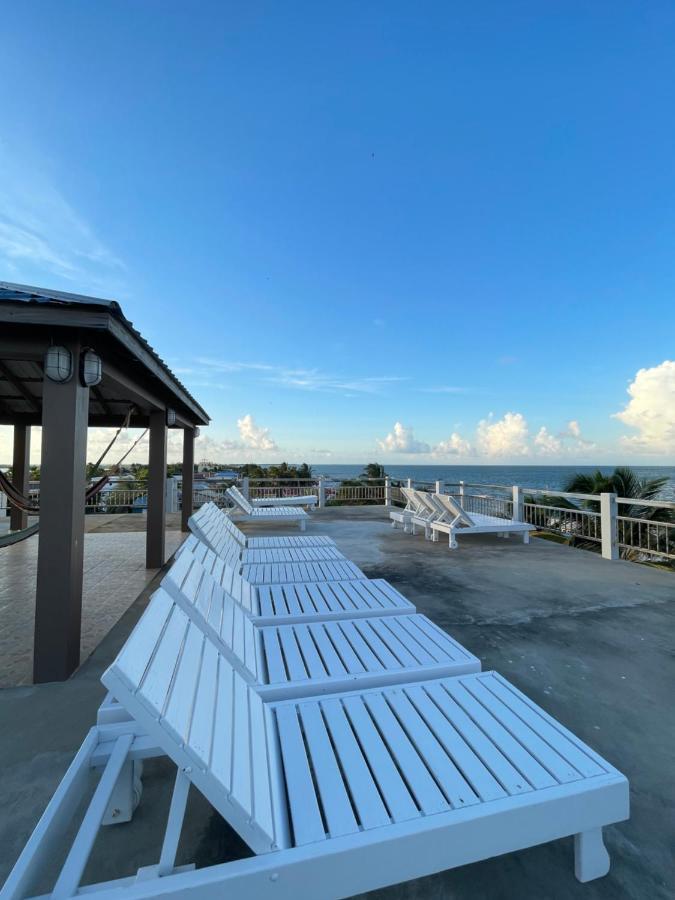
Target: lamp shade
{"x":170,"y":417}
{"x":197,"y":432}
{"x":58,"y":364}
{"x":91,"y":369}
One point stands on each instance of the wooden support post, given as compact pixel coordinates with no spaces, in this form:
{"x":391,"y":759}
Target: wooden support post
{"x":439,"y":487}
{"x":387,"y":492}
{"x":58,"y":600}
{"x":188,"y":477}
{"x":461,"y":494}
{"x":154,"y":539}
{"x":608,"y":526}
{"x":246,"y":487}
{"x":18,"y":519}
{"x":518,"y":504}
{"x":321,"y":492}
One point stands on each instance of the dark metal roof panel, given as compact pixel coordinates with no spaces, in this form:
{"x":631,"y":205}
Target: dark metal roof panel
{"x":24,"y":293}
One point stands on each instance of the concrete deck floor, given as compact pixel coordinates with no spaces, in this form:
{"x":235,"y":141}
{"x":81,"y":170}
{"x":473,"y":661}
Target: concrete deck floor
{"x":591,"y":641}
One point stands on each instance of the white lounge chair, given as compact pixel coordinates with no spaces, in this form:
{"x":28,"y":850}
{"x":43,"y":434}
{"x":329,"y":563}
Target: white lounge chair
{"x":228,"y":548}
{"x":337,"y":795}
{"x":418,"y":512}
{"x":280,"y":515}
{"x":279,"y":603}
{"x":259,"y":568}
{"x":310,"y":658}
{"x":301,"y":500}
{"x":209,"y":523}
{"x":453,"y":520}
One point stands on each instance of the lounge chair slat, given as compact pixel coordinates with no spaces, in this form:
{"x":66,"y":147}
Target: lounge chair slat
{"x":583,"y":760}
{"x":377,"y":645}
{"x":561,"y":770}
{"x":455,"y":788}
{"x":335,"y":799}
{"x":361,"y":647}
{"x":478,"y":775}
{"x":401,"y":653}
{"x":275,"y":662}
{"x":201,"y":731}
{"x":428,"y":795}
{"x":393,"y":789}
{"x":160,"y":671}
{"x":305,"y":813}
{"x":331,"y":660}
{"x":242,"y":775}
{"x":536,"y":774}
{"x":371,"y":810}
{"x":223,"y":732}
{"x":315,"y":665}
{"x":348,"y":657}
{"x":478,"y":741}
{"x":289,"y":648}
{"x":178,"y":713}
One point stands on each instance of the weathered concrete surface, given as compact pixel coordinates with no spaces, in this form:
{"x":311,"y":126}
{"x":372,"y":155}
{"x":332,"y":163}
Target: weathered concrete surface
{"x":591,"y":641}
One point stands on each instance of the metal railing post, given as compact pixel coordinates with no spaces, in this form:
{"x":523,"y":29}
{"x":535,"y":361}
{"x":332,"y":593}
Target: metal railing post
{"x":387,"y":491}
{"x":518,"y":507}
{"x":245,"y":487}
{"x":461,"y":494}
{"x":608,"y":526}
{"x":322,"y":492}
{"x":171,"y":494}
{"x":439,"y":487}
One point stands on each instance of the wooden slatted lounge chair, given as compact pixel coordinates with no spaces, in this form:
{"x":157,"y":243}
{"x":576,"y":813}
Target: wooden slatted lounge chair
{"x":231,"y":551}
{"x":453,"y":520}
{"x":209,"y":519}
{"x":260,"y":573}
{"x":336,"y":795}
{"x":302,"y":500}
{"x":280,"y":515}
{"x":310,"y":658}
{"x":204,"y":579}
{"x":402,"y":517}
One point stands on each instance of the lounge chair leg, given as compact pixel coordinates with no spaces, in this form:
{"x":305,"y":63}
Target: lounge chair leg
{"x":591,"y":859}
{"x":452,"y":543}
{"x":126,"y":794}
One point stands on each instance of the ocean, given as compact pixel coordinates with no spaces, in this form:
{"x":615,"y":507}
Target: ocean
{"x":552,"y":478}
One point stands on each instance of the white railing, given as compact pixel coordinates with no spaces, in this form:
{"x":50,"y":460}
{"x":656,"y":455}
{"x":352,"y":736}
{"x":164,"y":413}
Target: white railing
{"x":620,"y":526}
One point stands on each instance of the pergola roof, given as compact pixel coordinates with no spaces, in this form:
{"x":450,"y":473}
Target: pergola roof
{"x":133,"y":373}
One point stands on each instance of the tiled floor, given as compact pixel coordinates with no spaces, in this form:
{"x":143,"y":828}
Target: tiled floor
{"x":114,"y":575}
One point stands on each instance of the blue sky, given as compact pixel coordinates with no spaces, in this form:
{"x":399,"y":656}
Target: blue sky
{"x":412,"y":232}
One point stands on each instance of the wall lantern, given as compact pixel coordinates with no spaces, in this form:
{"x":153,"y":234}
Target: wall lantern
{"x":58,"y":364}
{"x":91,"y":369}
{"x":197,"y":432}
{"x":170,"y":417}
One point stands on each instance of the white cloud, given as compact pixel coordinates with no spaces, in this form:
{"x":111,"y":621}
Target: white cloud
{"x":253,"y":437}
{"x":546,"y":443}
{"x":651,"y":410}
{"x":402,"y":440}
{"x":506,"y":437}
{"x":455,"y":445}
{"x":40,"y":229}
{"x":573,"y":428}
{"x":207,"y":372}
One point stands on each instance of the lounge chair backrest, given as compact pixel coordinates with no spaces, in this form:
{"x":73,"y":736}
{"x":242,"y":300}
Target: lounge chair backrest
{"x":215,"y":531}
{"x":203,"y":598}
{"x":409,"y":494}
{"x":176,"y":684}
{"x":453,"y":509}
{"x":225,"y":574}
{"x":424,"y":501}
{"x":237,"y":497}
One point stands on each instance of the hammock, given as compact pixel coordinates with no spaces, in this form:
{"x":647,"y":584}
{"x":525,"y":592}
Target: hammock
{"x":20,"y":501}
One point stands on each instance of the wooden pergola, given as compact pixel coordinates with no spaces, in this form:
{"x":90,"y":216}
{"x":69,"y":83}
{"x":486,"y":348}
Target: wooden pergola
{"x":33,"y":320}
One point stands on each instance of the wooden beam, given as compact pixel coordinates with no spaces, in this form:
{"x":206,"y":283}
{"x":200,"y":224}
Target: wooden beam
{"x":58,"y":600}
{"x":101,"y":401}
{"x":18,"y":385}
{"x":18,"y":519}
{"x":188,"y":477}
{"x":155,"y":538}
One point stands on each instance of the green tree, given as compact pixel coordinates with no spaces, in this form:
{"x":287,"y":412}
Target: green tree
{"x":624,"y":482}
{"x":373,"y":470}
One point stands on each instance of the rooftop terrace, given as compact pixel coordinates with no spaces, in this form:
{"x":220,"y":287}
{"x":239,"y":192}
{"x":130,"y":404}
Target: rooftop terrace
{"x":588,"y":639}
